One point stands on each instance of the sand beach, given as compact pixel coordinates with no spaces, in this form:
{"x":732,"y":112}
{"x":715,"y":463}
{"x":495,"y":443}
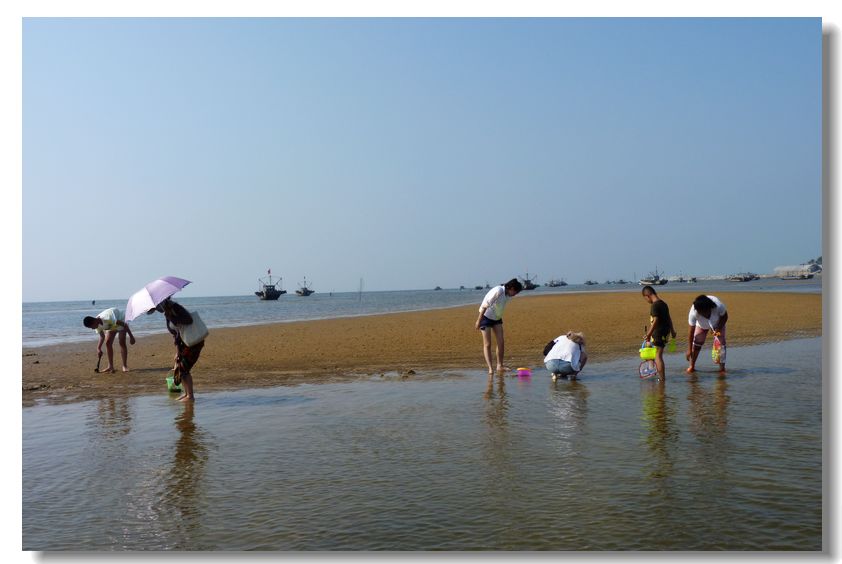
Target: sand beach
{"x":405,"y":344}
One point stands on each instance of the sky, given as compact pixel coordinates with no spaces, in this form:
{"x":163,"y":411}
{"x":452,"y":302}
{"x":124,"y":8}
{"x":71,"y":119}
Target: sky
{"x":414,"y":153}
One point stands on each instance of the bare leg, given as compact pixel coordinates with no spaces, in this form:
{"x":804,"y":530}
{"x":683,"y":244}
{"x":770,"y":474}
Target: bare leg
{"x":659,"y":362}
{"x":698,"y":340}
{"x":109,"y":350}
{"x":187,"y":382}
{"x":124,"y":351}
{"x":486,"y":348}
{"x":498,"y":335}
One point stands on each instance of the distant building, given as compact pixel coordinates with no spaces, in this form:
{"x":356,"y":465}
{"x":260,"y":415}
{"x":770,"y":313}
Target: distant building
{"x":798,"y":269}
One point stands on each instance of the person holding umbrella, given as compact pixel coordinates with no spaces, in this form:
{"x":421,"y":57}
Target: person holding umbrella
{"x":181,"y":324}
{"x":179,"y":321}
{"x":109,"y":324}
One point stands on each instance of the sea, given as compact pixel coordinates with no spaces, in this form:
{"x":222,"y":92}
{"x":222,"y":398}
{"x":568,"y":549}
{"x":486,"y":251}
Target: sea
{"x":51,"y":323}
{"x":444,"y":461}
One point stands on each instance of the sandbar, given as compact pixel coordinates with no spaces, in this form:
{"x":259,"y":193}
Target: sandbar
{"x":405,"y":344}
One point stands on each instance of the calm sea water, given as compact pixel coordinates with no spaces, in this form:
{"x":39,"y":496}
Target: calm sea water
{"x":48,"y":323}
{"x":444,"y":461}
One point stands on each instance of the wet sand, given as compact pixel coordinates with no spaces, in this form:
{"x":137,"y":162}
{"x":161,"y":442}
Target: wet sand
{"x":404,"y":344}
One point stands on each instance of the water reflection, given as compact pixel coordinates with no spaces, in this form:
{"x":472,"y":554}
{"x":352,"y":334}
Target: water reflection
{"x":708,"y":421}
{"x":497,"y":443}
{"x":569,"y":405}
{"x":659,"y":416}
{"x":112,"y":419}
{"x":708,"y":409}
{"x":184,"y":480}
{"x":497,"y":405}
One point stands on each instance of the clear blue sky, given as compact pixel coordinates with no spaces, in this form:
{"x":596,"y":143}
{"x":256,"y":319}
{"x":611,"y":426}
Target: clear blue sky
{"x":414,"y":153}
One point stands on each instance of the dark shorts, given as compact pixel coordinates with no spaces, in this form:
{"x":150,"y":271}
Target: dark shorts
{"x":485,"y":322}
{"x":660,"y":340}
{"x":187,"y":357}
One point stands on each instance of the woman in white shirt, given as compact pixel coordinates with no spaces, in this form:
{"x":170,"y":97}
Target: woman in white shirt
{"x":706,"y":313}
{"x":566,"y":355}
{"x":491,"y":319}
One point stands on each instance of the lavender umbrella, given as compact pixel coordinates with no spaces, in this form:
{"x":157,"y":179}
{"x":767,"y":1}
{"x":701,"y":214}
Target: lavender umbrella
{"x":152,"y":294}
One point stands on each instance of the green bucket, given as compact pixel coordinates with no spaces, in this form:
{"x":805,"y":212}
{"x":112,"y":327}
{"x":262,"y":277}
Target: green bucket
{"x":171,"y":387}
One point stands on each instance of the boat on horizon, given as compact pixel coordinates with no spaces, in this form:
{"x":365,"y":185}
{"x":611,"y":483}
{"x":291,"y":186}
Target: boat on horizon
{"x":304,"y":289}
{"x":528,"y":284}
{"x":268,"y":290}
{"x":653,"y":279}
{"x":555,"y":283}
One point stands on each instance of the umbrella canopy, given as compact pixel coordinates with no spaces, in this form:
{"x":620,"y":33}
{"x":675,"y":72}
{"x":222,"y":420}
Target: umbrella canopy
{"x":152,"y":294}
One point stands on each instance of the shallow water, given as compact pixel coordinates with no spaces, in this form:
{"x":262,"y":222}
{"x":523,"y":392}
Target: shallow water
{"x":450,"y":461}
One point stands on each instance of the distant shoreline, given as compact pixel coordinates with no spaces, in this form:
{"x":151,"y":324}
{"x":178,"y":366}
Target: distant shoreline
{"x":421,"y":341}
{"x":603,"y":286}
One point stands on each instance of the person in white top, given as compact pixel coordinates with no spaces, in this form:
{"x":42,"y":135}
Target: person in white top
{"x":109,"y":324}
{"x":566,"y":355}
{"x":707,"y":313}
{"x":491,"y":319}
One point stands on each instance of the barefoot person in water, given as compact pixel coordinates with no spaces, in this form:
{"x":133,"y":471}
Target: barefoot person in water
{"x":660,"y":326}
{"x":186,"y":355}
{"x":706,"y":313}
{"x":491,"y":319}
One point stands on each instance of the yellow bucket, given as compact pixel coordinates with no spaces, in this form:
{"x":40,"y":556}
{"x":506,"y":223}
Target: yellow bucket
{"x":647,"y":353}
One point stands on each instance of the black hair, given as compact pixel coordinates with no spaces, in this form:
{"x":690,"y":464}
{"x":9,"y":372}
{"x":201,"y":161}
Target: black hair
{"x":514,"y":284}
{"x":89,"y":322}
{"x":178,"y":314}
{"x":702,"y":303}
{"x":650,"y":288}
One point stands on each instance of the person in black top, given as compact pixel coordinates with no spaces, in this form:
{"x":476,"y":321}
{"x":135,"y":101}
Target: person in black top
{"x":660,"y":326}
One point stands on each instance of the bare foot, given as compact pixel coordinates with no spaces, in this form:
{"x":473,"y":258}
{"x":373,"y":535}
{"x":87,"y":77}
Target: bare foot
{"x":110,"y":370}
{"x":186,"y":398}
{"x":503,"y":369}
{"x":690,"y":370}
{"x":125,"y":369}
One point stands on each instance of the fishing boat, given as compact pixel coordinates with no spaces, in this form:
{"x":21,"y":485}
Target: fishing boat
{"x":654,"y":279}
{"x":555,"y":283}
{"x":304,"y":288}
{"x":269,"y":290}
{"x":528,"y":284}
{"x":591,"y":282}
